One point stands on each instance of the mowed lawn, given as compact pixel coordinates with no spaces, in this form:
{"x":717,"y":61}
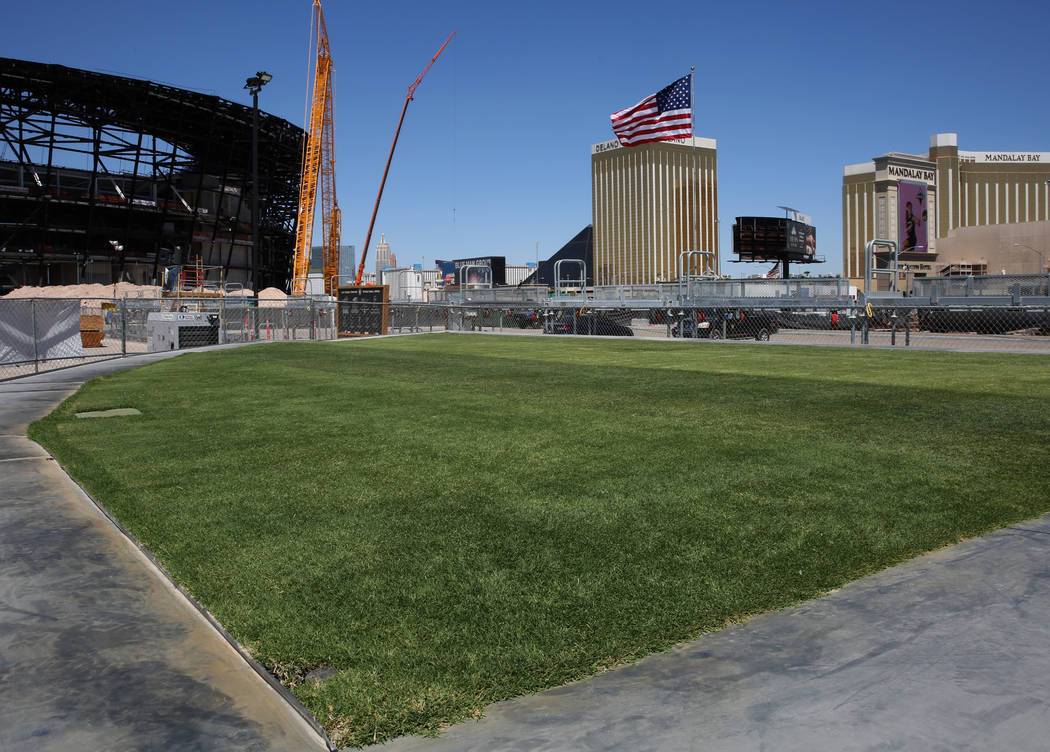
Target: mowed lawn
{"x":449,"y":520}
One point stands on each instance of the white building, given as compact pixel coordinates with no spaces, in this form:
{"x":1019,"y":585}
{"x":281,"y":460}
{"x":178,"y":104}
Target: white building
{"x":410,"y":283}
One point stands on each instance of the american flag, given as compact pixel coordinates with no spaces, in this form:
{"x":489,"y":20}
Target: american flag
{"x":663,"y":116}
{"x":774,"y":273}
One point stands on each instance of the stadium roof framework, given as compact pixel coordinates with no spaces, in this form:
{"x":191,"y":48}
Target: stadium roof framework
{"x":105,"y":177}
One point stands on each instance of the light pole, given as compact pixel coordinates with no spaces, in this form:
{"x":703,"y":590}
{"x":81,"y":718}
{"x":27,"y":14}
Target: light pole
{"x":253,"y":85}
{"x":1042,"y":259}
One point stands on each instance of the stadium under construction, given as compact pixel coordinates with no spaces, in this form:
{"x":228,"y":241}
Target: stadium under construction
{"x":105,"y":178}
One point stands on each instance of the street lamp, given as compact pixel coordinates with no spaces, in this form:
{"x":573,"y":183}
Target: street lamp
{"x":1042,"y":260}
{"x":253,"y":85}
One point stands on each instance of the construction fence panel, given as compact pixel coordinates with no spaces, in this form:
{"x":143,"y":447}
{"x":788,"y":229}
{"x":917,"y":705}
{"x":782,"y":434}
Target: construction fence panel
{"x":41,"y":334}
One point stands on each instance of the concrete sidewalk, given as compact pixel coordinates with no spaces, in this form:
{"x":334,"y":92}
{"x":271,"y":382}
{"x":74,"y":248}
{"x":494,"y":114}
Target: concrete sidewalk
{"x":98,"y":651}
{"x":947,"y":652}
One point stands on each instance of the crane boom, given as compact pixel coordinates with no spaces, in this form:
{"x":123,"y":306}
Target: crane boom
{"x":318,"y":167}
{"x":408,"y":98}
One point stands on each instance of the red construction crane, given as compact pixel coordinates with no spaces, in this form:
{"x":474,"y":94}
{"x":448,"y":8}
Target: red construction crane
{"x":375,"y":210}
{"x":318,"y":166}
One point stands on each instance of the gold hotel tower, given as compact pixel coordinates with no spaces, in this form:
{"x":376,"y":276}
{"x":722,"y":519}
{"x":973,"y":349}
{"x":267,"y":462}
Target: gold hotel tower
{"x":646,"y":201}
{"x":1006,"y":192}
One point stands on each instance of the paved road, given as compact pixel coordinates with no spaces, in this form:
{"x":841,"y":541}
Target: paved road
{"x":947,"y":652}
{"x":98,"y":651}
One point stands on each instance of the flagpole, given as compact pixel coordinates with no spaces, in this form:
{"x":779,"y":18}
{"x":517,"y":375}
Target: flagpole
{"x":696,"y":176}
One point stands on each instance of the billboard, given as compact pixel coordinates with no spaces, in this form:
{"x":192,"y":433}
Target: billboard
{"x":912,"y":235}
{"x":773,"y":239}
{"x":801,"y":240}
{"x":450,"y":270}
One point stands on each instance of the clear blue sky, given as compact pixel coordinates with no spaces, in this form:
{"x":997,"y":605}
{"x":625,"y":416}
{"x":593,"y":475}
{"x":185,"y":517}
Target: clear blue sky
{"x":501,"y":128}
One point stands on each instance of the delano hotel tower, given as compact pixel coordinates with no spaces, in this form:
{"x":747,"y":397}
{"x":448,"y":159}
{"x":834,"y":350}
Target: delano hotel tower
{"x":646,"y":202}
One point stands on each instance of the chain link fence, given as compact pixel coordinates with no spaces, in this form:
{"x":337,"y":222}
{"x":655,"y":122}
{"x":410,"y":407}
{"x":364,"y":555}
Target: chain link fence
{"x":44,"y":334}
{"x":41,"y":334}
{"x":1021,"y":329}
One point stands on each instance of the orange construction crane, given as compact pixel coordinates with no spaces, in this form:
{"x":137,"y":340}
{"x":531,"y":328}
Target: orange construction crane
{"x":375,"y":209}
{"x":318,"y":164}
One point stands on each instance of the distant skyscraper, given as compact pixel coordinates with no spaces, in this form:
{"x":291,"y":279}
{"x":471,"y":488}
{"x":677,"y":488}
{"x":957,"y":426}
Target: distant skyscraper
{"x":347,"y":264}
{"x":382,"y":254}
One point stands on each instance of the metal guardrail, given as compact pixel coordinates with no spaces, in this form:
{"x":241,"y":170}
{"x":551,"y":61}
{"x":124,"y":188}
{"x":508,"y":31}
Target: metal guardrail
{"x":990,"y":285}
{"x":698,"y":288}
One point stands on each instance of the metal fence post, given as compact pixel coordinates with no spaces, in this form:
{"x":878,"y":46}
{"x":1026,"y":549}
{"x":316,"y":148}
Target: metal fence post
{"x":124,"y":326}
{"x":36,"y":352}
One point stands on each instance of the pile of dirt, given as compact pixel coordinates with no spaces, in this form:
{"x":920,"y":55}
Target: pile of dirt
{"x":116,"y":291}
{"x":271,"y":297}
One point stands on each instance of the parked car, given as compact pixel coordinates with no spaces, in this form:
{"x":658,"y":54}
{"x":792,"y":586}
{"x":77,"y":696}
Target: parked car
{"x":526,"y":319}
{"x":984,"y":320}
{"x":734,"y":324}
{"x":586,"y":323}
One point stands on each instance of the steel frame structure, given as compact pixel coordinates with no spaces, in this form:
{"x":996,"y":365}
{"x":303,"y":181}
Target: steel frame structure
{"x":137,"y":174}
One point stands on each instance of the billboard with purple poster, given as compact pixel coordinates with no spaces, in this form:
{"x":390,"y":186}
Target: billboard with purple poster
{"x":911,"y":217}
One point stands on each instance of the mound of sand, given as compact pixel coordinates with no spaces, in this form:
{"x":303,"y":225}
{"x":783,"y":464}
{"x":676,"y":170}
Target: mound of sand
{"x":271,"y":297}
{"x":109,"y":292}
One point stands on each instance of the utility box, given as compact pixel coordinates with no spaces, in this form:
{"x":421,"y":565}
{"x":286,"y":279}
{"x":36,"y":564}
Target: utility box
{"x":177,"y":331}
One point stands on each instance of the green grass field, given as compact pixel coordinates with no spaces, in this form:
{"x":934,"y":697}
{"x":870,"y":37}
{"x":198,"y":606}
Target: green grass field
{"x":450,"y":520}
